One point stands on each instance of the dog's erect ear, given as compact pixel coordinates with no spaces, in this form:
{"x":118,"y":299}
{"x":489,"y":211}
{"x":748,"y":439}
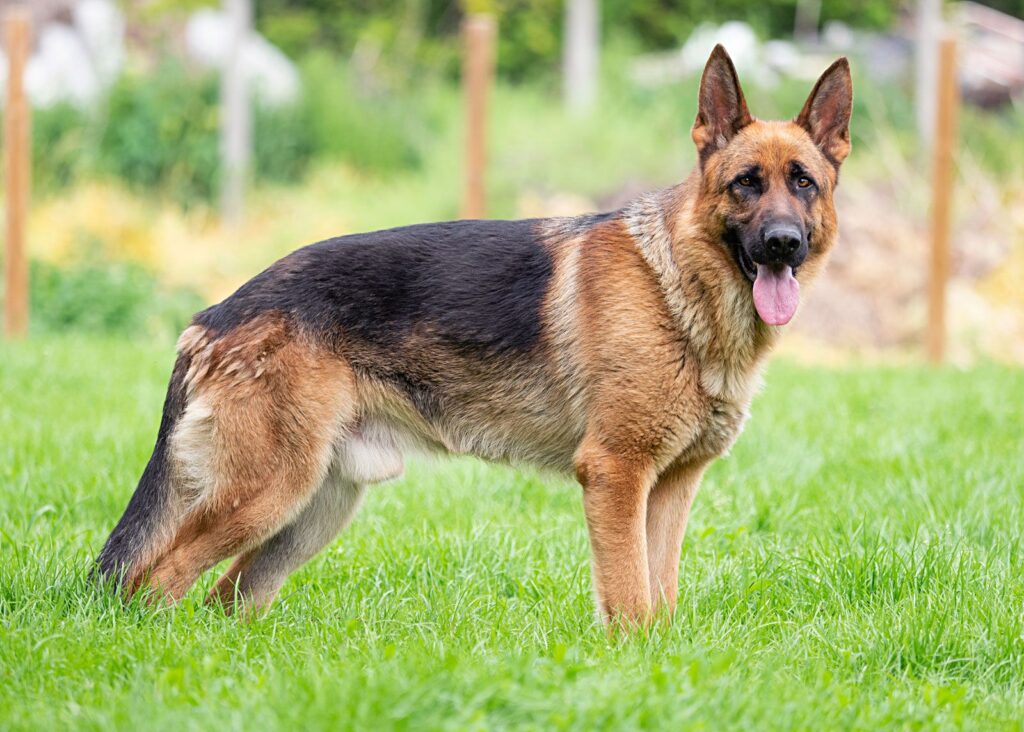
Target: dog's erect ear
{"x":826,"y":114}
{"x":721,"y":108}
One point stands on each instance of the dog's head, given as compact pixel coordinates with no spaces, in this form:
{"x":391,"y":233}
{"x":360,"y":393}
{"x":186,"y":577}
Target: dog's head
{"x":766,"y":187}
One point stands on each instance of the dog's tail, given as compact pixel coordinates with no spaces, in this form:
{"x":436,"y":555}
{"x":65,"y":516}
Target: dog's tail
{"x":150,"y":512}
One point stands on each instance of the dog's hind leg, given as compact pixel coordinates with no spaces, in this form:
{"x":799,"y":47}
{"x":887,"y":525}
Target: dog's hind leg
{"x":256,"y":576}
{"x":155,"y":510}
{"x":276,"y":404}
{"x":365,"y":454}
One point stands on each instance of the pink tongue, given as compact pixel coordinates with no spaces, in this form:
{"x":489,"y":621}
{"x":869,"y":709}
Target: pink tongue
{"x":776,"y":294}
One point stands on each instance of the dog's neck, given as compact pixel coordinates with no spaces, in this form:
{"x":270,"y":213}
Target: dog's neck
{"x":709,"y":300}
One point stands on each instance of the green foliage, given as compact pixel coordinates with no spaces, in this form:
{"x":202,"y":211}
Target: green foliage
{"x":667,"y":23}
{"x":282,"y":144}
{"x":60,"y":147}
{"x":369,"y":129}
{"x":97,"y":296}
{"x":1013,"y":7}
{"x":397,"y":26}
{"x":529,"y":37}
{"x":160,"y":132}
{"x":992,"y":138}
{"x":418,"y":32}
{"x":848,"y":566}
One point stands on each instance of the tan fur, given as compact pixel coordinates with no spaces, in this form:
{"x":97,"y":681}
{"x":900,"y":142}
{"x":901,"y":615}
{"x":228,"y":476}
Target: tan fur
{"x":255,"y":442}
{"x":668,"y":508}
{"x":650,"y":353}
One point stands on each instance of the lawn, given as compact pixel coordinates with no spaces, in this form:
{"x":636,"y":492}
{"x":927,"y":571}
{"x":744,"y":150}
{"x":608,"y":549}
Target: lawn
{"x":856,"y":562}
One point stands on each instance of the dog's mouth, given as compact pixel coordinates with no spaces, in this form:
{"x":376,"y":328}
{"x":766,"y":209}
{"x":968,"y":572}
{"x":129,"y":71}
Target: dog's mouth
{"x":776,"y":293}
{"x":744,"y":262}
{"x":775,"y":288}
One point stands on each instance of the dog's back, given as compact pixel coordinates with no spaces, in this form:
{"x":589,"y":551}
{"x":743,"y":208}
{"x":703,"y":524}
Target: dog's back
{"x":624,"y":347}
{"x":456,"y":337}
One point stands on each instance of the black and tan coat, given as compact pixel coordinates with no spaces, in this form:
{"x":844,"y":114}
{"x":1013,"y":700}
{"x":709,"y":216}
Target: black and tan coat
{"x":621,"y":347}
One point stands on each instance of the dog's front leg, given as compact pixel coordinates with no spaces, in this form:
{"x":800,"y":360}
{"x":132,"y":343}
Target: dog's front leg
{"x":615,"y":492}
{"x":668,"y":508}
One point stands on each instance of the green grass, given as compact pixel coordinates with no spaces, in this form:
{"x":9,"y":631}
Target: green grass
{"x":855,"y":563}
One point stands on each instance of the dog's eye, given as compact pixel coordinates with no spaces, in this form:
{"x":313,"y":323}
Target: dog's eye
{"x":746,"y":181}
{"x":803,"y":182}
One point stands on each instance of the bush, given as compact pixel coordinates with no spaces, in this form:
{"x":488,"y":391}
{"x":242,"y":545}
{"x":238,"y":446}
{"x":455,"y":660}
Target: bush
{"x":282,"y":144}
{"x":60,"y":149}
{"x":412,"y":34}
{"x":367,"y":130}
{"x":161,"y":132}
{"x":334,"y":119}
{"x":100,"y":296}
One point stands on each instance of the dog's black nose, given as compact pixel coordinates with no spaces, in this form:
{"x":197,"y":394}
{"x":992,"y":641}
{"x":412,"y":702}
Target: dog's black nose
{"x":782,"y":242}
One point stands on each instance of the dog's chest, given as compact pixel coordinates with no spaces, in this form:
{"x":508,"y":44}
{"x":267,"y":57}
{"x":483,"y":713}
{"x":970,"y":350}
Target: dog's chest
{"x":720,"y":427}
{"x":720,"y":417}
{"x":728,"y":386}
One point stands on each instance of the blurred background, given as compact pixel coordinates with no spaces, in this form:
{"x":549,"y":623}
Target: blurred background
{"x":180,"y":146}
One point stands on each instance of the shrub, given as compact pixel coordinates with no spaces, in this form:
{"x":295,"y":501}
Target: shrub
{"x":282,"y":144}
{"x":412,"y":34}
{"x":161,"y":132}
{"x":366,"y":129}
{"x":99,"y":296}
{"x":60,"y":149}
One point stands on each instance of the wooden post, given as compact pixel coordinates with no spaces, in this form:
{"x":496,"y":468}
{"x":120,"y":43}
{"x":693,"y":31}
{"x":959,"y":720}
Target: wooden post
{"x":236,"y":117}
{"x":477,"y":72}
{"x":17,"y":165}
{"x":942,"y":198}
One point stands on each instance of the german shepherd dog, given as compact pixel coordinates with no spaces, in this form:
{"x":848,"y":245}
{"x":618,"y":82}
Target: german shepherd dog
{"x":622,"y":347}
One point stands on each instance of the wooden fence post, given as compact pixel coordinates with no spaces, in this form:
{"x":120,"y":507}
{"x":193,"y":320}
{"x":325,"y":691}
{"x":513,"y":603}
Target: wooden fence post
{"x":942,"y":198}
{"x":477,"y":72}
{"x":17,"y":166}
